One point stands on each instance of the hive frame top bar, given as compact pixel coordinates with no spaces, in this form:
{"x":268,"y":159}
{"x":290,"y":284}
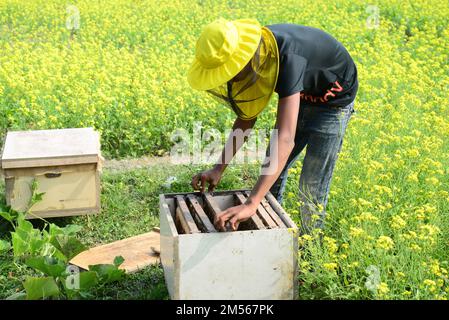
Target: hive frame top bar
{"x":199,"y":193}
{"x":279,"y":210}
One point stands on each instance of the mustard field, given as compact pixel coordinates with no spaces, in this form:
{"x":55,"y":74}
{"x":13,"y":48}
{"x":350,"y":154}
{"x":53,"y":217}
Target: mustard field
{"x":121,"y":68}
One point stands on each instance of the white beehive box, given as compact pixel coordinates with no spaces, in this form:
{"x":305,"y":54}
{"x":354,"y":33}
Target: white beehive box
{"x":65,"y":165}
{"x":252,"y":264}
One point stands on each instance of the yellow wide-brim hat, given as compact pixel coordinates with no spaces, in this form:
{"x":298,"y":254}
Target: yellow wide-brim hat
{"x":223,"y":49}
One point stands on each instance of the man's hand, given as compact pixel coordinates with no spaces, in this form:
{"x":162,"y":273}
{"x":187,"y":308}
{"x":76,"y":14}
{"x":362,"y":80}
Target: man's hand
{"x":235,"y":215}
{"x":211,"y":177}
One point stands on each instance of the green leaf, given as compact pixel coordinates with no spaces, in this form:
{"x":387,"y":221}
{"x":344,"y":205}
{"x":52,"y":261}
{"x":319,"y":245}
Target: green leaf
{"x":72,"y":229}
{"x":7,"y":216}
{"x":52,"y":251}
{"x":50,"y":266}
{"x":54,"y":230}
{"x":3,"y":207}
{"x":88,"y":279}
{"x":45,"y":235}
{"x":118,"y":261}
{"x":4,"y":246}
{"x":24,"y":235}
{"x":36,"y":245}
{"x":19,"y":246}
{"x":68,"y":245}
{"x":81,"y":281}
{"x":47,"y":249}
{"x":86,"y":295}
{"x":23,"y":224}
{"x":40,"y":288}
{"x":37,"y":197}
{"x":17,"y":296}
{"x":107,"y":272}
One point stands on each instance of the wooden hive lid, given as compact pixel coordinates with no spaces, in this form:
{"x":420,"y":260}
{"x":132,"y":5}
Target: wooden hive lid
{"x":40,"y":148}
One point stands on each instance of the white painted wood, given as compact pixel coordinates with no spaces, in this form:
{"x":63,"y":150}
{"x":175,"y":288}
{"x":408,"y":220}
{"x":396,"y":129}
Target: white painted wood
{"x":260,"y":264}
{"x":169,"y":243}
{"x":254,"y":265}
{"x":50,"y":147}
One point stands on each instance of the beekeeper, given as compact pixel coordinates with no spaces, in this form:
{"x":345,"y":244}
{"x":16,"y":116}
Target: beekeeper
{"x":242,"y":63}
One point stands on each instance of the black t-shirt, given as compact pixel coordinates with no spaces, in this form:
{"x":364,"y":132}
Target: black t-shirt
{"x":316,"y":64}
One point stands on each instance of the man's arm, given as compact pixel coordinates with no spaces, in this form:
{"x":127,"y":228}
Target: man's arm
{"x":287,"y":117}
{"x":234,"y":143}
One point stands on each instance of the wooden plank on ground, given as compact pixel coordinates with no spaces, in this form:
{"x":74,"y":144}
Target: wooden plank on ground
{"x":280,"y":211}
{"x":202,"y":220}
{"x":138,"y":252}
{"x":254,"y":220}
{"x":263,"y":214}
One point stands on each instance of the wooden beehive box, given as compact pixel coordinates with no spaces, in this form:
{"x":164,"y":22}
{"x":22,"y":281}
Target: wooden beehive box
{"x":258,"y":261}
{"x":63,"y":163}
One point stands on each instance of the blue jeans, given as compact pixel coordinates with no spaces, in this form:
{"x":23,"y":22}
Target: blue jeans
{"x":321,"y":129}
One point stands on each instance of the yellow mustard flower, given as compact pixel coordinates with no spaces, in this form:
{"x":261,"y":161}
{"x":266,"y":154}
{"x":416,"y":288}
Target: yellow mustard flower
{"x":385,"y":242}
